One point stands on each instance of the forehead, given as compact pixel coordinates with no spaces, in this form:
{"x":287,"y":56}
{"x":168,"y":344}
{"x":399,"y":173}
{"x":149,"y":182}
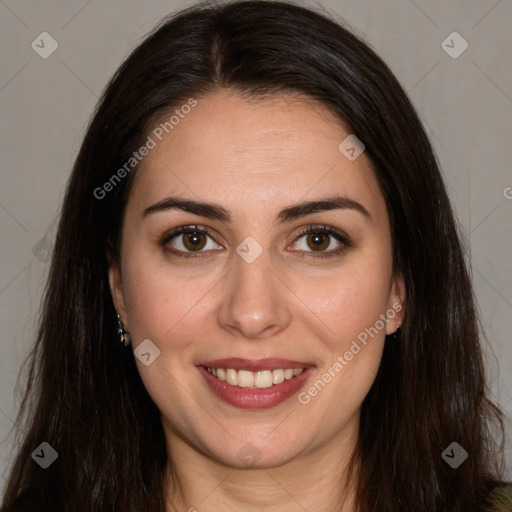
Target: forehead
{"x":236,"y":150}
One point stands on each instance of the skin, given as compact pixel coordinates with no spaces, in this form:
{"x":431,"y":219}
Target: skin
{"x":255,"y":158}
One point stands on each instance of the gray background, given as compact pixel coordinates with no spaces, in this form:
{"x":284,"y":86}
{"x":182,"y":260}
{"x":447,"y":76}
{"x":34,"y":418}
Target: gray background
{"x":465,"y":104}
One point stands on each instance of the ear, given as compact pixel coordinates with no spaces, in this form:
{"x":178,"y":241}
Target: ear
{"x":396,"y":304}
{"x":116,"y":288}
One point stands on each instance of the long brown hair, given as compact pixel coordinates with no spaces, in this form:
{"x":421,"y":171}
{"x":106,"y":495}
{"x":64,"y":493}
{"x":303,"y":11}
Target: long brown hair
{"x":84,"y":395}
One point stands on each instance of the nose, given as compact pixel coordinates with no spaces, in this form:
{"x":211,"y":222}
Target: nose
{"x":254,"y":304}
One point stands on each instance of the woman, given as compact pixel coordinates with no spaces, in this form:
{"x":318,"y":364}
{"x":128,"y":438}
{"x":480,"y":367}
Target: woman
{"x":258,"y":297}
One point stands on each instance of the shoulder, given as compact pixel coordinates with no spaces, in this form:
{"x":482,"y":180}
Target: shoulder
{"x":500,"y":499}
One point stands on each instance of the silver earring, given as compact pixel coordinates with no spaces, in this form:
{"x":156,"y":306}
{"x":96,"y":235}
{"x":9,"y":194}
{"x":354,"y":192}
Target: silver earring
{"x":124,"y":336}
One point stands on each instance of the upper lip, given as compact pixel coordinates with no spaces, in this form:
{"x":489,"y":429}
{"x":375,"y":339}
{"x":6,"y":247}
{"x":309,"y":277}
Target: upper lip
{"x":254,"y":365}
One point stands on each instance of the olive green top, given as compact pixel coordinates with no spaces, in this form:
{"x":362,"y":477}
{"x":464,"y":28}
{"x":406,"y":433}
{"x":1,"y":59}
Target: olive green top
{"x":501,"y":499}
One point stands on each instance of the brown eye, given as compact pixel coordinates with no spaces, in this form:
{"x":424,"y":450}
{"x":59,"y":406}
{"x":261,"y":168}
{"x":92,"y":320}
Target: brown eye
{"x":187,"y":240}
{"x":318,"y":241}
{"x":193,"y":241}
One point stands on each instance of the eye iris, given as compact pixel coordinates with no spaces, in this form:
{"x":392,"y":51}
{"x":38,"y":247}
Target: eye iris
{"x":192,"y":238}
{"x":320,"y":240}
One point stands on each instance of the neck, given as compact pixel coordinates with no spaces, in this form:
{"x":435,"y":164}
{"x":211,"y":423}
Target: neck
{"x":317,"y":480}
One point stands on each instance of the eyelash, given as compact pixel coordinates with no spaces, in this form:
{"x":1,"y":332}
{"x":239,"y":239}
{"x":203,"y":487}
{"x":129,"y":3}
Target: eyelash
{"x":167,"y":237}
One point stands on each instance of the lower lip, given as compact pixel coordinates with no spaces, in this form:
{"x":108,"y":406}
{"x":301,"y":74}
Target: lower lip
{"x":264,"y":398}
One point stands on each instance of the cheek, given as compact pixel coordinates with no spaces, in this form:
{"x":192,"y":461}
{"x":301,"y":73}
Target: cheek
{"x":351,"y":307}
{"x":354,"y":305}
{"x":350,"y":300}
{"x":154,"y":303}
{"x":164,"y":307}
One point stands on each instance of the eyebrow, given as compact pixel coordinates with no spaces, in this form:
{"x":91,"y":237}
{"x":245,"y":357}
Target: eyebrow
{"x":215,"y":211}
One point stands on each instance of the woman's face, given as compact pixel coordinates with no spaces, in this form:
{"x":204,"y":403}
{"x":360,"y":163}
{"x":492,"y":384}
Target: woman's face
{"x":254,"y":287}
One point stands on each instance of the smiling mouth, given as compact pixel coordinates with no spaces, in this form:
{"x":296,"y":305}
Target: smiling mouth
{"x":254,"y":380}
{"x":255,"y":383}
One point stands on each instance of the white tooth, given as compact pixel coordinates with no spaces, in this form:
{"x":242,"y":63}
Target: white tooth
{"x":288,"y":373}
{"x":277,"y":376}
{"x":245,"y":379}
{"x":231,"y":377}
{"x":209,"y":369}
{"x":263,"y":379}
